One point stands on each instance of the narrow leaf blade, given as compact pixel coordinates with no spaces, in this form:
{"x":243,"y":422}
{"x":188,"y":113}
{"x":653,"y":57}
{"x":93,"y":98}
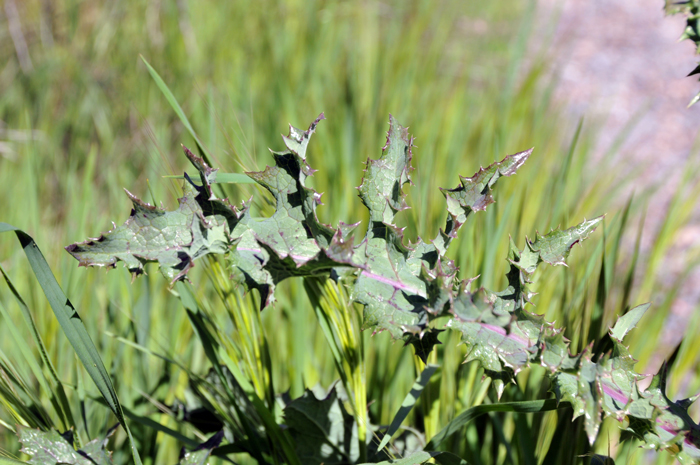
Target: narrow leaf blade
{"x":223,"y":178}
{"x":176,"y":107}
{"x":72,"y":326}
{"x":408,"y":403}
{"x":532,"y":406}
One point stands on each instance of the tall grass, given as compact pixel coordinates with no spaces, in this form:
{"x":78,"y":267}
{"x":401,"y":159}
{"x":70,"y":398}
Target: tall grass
{"x":86,"y":119}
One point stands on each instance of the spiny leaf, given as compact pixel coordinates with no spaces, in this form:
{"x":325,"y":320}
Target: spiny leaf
{"x":578,"y":386}
{"x":503,"y":342}
{"x":628,"y":321}
{"x":401,"y":285}
{"x":662,"y":423}
{"x":292,"y":242}
{"x":261,"y":252}
{"x":50,"y":447}
{"x":609,"y":384}
{"x":398,"y":284}
{"x":199,"y":226}
{"x":322,"y":431}
{"x":474,"y":193}
{"x":391,"y":292}
{"x":554,"y":247}
{"x":498,"y":331}
{"x":381,"y":186}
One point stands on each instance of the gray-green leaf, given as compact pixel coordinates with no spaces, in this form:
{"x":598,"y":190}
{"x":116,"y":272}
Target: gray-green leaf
{"x":201,"y":225}
{"x":49,"y":447}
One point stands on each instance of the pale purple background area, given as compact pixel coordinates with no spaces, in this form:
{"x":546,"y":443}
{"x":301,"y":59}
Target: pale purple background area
{"x":617,"y":59}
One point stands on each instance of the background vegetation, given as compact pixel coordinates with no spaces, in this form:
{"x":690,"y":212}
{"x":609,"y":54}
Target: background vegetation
{"x":80,"y":118}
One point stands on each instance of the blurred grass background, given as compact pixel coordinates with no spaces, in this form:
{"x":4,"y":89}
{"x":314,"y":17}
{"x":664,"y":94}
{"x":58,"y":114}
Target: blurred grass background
{"x":80,"y":119}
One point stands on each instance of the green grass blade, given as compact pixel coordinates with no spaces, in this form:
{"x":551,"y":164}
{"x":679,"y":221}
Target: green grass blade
{"x":531,"y":406}
{"x":8,"y":461}
{"x":327,"y":330}
{"x":560,"y":186}
{"x":34,"y":366}
{"x":63,"y":409}
{"x":524,"y":440}
{"x":408,"y":403}
{"x":617,"y":241}
{"x":14,"y":394}
{"x":177,"y":108}
{"x":221,"y":178}
{"x":209,"y":344}
{"x":73,"y":327}
{"x":314,"y":291}
{"x":145,"y":421}
{"x":632,"y":268}
{"x":502,"y":438}
{"x":148,"y":351}
{"x":81,"y":399}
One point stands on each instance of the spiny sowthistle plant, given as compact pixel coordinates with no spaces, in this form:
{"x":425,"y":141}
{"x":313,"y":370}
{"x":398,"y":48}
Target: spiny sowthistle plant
{"x":404,"y":288}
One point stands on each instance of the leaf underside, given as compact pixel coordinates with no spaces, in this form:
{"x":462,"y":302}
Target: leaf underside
{"x":50,"y":447}
{"x":403,"y":287}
